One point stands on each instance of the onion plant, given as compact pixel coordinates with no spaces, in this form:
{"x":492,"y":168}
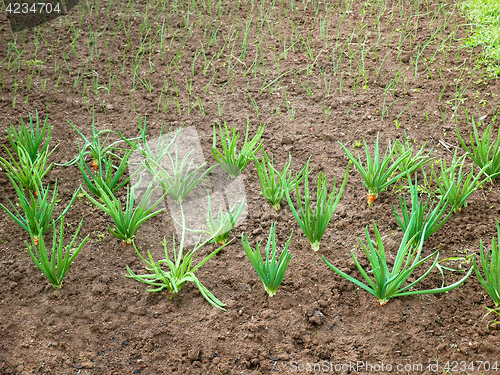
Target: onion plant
{"x":490,"y":263}
{"x":275,"y":183}
{"x":31,"y":138}
{"x":483,"y":152}
{"x":271,"y":271}
{"x":60,"y":259}
{"x":180,"y":269}
{"x":96,"y":147}
{"x":127,"y":220}
{"x":386,"y":285}
{"x":229,"y":159}
{"x":219,"y":228}
{"x":412,"y":162}
{"x":379,"y":174}
{"x":37,"y":212}
{"x":314,"y":221}
{"x":107,"y":174}
{"x":160,"y":151}
{"x":428,"y":220}
{"x":456,"y":185}
{"x":26,"y":172}
{"x":180,"y":180}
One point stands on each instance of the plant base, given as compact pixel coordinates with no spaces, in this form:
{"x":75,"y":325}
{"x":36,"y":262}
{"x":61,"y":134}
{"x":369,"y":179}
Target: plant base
{"x":371,"y":198}
{"x":315,"y":246}
{"x":35,"y":241}
{"x":94,"y":164}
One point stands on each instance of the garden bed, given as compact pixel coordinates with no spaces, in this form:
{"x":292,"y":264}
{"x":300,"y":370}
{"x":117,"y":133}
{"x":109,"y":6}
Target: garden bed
{"x":103,"y":323}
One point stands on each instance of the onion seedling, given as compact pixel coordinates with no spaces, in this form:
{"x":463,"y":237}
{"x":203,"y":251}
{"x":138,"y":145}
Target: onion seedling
{"x":127,"y":221}
{"x":271,"y":271}
{"x":412,"y":162}
{"x":314,"y":222}
{"x":108,"y":176}
{"x":158,"y":153}
{"x":456,"y":185}
{"x":180,"y":270}
{"x":37,"y":211}
{"x":95,"y":147}
{"x":378,"y":174}
{"x":218,"y":229}
{"x":229,"y":159}
{"x":179,"y":181}
{"x":274,"y":183}
{"x":30,"y":138}
{"x":426,"y":224}
{"x":484,"y":153}
{"x":490,"y":263}
{"x":26,"y":172}
{"x":56,"y":267}
{"x":386,"y":285}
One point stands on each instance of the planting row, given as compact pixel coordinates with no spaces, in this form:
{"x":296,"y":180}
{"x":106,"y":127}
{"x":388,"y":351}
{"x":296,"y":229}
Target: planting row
{"x":447,"y":187}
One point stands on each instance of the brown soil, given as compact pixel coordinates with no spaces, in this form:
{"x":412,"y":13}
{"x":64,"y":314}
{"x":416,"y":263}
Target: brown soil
{"x":103,"y":323}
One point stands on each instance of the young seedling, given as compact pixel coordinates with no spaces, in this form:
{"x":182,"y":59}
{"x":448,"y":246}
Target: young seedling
{"x":314,"y":222}
{"x":26,"y":172}
{"x":107,"y":174}
{"x":60,"y":258}
{"x":490,"y":263}
{"x":425,"y":224}
{"x":271,"y":271}
{"x":386,"y":285}
{"x":378,"y":174}
{"x":180,"y":270}
{"x":274,"y":183}
{"x":483,"y":152}
{"x":229,"y":159}
{"x":95,"y":147}
{"x":38,"y":211}
{"x":127,"y":221}
{"x":179,"y":181}
{"x":412,"y":162}
{"x":218,"y":229}
{"x":456,"y":185}
{"x":30,"y":139}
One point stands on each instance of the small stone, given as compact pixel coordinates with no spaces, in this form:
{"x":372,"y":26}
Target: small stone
{"x":216,"y":361}
{"x":110,"y":107}
{"x":257,"y":231}
{"x":287,"y":140}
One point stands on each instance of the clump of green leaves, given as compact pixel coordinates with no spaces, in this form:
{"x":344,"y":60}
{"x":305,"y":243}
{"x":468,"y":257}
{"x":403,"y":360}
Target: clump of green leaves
{"x":181,"y":179}
{"x":180,"y":269}
{"x":37,"y":212}
{"x":229,"y":159}
{"x":30,"y":139}
{"x":26,"y":172}
{"x":271,"y":271}
{"x":107,"y":175}
{"x":490,"y":263}
{"x":60,"y":259}
{"x":455,"y":184}
{"x":378,"y":174}
{"x":483,"y":152}
{"x":314,"y":221}
{"x":412,"y":162}
{"x":275,"y":183}
{"x":128,"y":220}
{"x":386,"y":285}
{"x":96,"y":146}
{"x":428,"y":219}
